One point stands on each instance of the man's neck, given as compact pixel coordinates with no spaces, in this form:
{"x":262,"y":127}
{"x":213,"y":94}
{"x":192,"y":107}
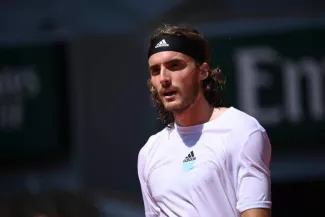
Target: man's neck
{"x":198,"y":113}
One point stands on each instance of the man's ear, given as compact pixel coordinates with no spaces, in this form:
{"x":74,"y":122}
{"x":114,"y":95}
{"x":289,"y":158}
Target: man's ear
{"x":204,"y":71}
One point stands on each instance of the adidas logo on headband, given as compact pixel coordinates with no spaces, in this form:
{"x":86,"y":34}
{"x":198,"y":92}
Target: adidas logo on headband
{"x":162,"y":43}
{"x":191,"y":47}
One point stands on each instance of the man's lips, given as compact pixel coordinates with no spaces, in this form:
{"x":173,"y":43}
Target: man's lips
{"x":169,"y":93}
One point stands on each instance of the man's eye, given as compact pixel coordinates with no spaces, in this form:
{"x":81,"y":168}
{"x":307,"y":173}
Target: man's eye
{"x":155,"y":71}
{"x":176,"y":66}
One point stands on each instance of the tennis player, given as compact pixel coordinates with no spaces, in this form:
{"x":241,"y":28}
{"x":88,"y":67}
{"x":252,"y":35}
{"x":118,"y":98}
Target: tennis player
{"x":209,"y":160}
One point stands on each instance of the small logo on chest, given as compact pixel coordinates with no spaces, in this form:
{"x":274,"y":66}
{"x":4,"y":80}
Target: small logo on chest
{"x":188,"y":162}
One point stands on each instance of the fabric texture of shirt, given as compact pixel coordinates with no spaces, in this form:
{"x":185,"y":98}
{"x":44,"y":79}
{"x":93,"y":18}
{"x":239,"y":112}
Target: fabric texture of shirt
{"x":216,"y":169}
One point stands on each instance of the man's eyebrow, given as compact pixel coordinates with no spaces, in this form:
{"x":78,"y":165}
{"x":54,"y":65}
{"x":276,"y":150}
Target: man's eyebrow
{"x":167,"y":62}
{"x":153,"y":66}
{"x":177,"y":59}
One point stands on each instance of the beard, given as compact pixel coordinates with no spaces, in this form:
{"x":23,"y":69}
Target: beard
{"x":184,"y":100}
{"x":166,"y":113}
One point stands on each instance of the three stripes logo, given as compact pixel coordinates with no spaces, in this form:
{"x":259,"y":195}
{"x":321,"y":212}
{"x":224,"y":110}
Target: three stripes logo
{"x":188,"y":162}
{"x":162,"y":43}
{"x":189,"y":157}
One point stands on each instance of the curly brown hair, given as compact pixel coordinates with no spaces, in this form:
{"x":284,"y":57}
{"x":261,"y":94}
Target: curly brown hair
{"x":213,"y":85}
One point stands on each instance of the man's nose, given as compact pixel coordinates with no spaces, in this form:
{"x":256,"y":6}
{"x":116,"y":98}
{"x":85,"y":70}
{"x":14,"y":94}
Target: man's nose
{"x":164,"y":76}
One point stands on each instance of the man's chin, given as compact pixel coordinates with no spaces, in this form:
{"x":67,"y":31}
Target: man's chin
{"x":174,"y":106}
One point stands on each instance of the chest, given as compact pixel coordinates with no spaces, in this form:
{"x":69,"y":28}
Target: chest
{"x":185,"y":171}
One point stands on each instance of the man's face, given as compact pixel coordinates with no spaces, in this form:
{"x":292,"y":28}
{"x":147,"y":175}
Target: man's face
{"x":175,"y":78}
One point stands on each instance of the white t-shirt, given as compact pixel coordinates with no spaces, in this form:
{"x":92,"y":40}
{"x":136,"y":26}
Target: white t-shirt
{"x":216,"y":169}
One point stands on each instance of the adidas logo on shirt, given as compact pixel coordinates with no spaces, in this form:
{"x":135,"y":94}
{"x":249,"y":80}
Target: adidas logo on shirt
{"x":189,"y":161}
{"x":189,"y":157}
{"x":162,"y":43}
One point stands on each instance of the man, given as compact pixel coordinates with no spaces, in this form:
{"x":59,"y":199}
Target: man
{"x":208,"y":161}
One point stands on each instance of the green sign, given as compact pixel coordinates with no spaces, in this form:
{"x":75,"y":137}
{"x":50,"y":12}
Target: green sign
{"x":279,"y":78}
{"x":32,"y":113}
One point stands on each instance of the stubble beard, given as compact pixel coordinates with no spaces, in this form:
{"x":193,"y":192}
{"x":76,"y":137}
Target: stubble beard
{"x":187,"y":100}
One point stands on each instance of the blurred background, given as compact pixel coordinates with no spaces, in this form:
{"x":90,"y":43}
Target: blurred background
{"x":75,"y":109}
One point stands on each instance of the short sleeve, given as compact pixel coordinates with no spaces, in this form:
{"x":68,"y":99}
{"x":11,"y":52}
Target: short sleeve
{"x":253,"y":173}
{"x":151,"y":209}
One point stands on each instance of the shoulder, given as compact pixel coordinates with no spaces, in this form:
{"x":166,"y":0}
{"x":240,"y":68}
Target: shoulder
{"x":241,"y":122}
{"x":151,"y":143}
{"x":247,"y":138}
{"x":242,"y":127}
{"x":148,"y":150}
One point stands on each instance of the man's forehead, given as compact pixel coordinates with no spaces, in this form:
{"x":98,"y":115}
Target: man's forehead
{"x":167,"y":56}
